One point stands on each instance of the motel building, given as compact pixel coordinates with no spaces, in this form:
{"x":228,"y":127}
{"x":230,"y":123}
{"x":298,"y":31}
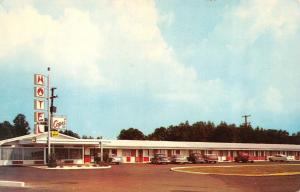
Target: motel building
{"x":32,"y":149}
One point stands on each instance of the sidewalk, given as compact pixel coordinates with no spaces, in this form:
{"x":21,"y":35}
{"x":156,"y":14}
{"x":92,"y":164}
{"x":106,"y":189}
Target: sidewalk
{"x":11,"y":184}
{"x":73,"y":167}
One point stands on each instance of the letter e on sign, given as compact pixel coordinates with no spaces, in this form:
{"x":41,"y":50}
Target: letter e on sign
{"x":39,"y":116}
{"x":39,"y":79}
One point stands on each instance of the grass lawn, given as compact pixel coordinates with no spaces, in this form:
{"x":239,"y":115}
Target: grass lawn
{"x":247,"y":170}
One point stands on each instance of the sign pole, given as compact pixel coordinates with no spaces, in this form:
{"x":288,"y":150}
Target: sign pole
{"x":49,"y":115}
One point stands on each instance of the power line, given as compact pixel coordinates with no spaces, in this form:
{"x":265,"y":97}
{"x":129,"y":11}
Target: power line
{"x":246,"y":118}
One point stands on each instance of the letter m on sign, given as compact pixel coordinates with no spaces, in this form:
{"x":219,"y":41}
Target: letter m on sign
{"x":39,"y":79}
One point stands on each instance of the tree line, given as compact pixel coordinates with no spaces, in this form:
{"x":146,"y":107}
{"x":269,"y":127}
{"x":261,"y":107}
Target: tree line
{"x":199,"y":131}
{"x":209,"y":132}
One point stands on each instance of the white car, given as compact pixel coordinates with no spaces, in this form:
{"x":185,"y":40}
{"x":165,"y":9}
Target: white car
{"x":278,"y":157}
{"x":178,"y":159}
{"x":115,"y":159}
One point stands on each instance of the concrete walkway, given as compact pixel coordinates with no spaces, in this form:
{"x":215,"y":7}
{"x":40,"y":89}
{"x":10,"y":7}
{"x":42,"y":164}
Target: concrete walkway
{"x":11,"y":184}
{"x":72,"y":167}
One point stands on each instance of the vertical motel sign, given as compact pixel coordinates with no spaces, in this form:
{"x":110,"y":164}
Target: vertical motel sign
{"x":39,"y":103}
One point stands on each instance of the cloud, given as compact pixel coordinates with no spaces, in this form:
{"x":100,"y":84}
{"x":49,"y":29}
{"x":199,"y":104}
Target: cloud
{"x":242,"y":26}
{"x":119,"y":48}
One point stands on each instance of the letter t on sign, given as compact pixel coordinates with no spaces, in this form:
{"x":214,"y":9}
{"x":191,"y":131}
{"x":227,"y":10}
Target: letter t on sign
{"x":39,"y":104}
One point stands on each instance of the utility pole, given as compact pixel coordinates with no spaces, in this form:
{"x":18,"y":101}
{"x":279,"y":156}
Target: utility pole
{"x":246,"y":122}
{"x":49,"y":115}
{"x":51,"y":110}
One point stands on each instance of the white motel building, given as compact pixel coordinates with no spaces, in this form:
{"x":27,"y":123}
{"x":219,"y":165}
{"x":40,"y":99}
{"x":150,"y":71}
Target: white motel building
{"x":32,"y":149}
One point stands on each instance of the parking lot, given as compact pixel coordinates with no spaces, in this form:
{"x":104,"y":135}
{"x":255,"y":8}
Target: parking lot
{"x":142,"y":178}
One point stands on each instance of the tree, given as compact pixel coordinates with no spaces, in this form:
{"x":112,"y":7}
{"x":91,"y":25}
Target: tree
{"x":246,"y":134}
{"x":201,"y":131}
{"x":70,"y":133}
{"x":131,"y":134}
{"x":223,"y":133}
{"x":21,"y":126}
{"x":159,"y":134}
{"x":6,"y":130}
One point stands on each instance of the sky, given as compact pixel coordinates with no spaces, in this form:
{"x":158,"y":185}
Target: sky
{"x":146,"y":64}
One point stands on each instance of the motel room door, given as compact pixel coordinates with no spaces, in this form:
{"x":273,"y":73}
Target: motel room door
{"x":169,"y":153}
{"x":140,"y":156}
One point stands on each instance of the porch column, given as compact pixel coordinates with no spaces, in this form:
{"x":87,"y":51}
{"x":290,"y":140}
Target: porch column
{"x":45,"y":156}
{"x":83,"y":154}
{"x":101,"y":151}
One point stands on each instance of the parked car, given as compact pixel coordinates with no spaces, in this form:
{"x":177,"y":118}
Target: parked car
{"x":278,"y":157}
{"x":210,"y":158}
{"x":243,"y":158}
{"x":196,"y":158}
{"x":159,"y":159}
{"x":115,"y":159}
{"x":178,"y":159}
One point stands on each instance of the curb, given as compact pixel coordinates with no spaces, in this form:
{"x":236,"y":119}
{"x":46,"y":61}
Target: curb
{"x":177,"y":169}
{"x":12,"y":184}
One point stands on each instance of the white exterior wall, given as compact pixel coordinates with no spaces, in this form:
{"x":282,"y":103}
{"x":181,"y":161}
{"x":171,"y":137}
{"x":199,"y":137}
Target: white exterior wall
{"x":119,"y":152}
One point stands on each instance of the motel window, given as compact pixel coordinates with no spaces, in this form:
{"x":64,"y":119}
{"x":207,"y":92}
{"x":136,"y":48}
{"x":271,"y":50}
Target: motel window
{"x":75,"y":154}
{"x":68,"y":153}
{"x":151,"y":152}
{"x":146,"y":153}
{"x":22,"y":154}
{"x":126,"y":152}
{"x":33,"y":153}
{"x":177,"y":152}
{"x":61,"y":153}
{"x":17,"y":154}
{"x":12,"y":154}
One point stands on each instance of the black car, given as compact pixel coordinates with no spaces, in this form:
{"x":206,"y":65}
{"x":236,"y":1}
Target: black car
{"x":196,"y":158}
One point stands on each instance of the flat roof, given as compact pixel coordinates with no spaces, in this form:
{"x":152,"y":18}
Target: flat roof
{"x":146,"y":144}
{"x":195,"y":145}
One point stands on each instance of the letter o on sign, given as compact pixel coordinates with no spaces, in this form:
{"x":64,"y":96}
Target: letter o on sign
{"x":39,"y":92}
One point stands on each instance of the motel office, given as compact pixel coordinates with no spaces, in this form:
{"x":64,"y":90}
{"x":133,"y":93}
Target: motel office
{"x":32,"y":149}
